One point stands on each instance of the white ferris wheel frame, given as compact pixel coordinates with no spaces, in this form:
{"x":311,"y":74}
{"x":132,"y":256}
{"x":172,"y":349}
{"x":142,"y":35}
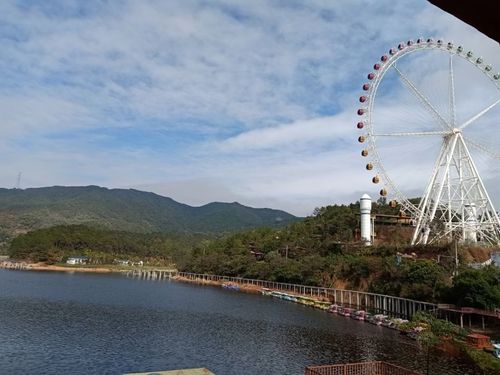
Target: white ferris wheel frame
{"x":468,"y":187}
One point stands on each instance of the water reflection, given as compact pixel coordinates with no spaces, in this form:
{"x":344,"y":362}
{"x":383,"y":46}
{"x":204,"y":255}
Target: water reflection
{"x":56,"y":323}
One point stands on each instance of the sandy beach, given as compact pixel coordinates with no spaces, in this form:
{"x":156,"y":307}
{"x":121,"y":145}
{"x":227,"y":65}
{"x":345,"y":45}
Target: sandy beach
{"x":45,"y":267}
{"x":58,"y":268}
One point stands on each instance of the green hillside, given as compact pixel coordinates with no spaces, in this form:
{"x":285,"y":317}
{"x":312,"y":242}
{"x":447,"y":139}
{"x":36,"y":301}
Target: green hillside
{"x":101,"y":246}
{"x":125,"y":210}
{"x":324,"y":250}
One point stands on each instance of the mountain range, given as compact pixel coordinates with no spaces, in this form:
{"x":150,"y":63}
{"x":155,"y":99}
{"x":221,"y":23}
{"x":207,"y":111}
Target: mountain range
{"x":22,"y":210}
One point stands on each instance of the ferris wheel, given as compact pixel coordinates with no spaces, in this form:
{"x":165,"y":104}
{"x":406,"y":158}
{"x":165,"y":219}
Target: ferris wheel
{"x":429,"y":120}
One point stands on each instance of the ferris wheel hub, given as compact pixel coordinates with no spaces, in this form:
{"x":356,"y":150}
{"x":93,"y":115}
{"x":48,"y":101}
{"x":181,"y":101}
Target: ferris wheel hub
{"x":456,"y":130}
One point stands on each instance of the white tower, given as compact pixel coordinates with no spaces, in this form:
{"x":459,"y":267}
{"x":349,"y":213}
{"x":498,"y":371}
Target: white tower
{"x":471,"y":224}
{"x":366,"y":209}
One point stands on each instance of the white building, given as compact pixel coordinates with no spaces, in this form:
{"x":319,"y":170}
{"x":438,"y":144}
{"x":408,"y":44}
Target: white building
{"x":77,"y":260}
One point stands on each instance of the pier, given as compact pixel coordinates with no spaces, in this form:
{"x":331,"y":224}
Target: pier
{"x":13,"y":265}
{"x":151,"y":274}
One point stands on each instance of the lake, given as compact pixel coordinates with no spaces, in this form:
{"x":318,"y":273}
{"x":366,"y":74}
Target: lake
{"x":70,"y":323}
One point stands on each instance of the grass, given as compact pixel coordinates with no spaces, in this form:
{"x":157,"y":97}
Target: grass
{"x":488,"y":364}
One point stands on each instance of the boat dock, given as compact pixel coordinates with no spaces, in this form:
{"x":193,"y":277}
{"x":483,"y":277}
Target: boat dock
{"x":151,"y":274}
{"x":14,"y":265}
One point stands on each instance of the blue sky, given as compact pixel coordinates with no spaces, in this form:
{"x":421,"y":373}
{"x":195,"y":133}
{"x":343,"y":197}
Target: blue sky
{"x":200,"y":100}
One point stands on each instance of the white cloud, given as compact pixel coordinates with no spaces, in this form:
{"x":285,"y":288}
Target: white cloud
{"x":297,"y":134}
{"x":250,"y":101}
{"x":40,"y":114}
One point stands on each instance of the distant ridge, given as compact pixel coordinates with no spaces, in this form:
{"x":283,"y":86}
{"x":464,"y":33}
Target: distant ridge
{"x":22,"y":210}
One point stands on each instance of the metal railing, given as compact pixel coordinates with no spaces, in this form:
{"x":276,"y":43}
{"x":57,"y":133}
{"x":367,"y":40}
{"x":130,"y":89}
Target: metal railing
{"x":380,"y":303}
{"x":469,"y":310}
{"x":362,"y":368}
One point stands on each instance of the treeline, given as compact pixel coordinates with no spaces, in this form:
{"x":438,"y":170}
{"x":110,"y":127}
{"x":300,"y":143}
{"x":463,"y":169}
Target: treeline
{"x":263,"y":254}
{"x":322,"y":251}
{"x":102,"y":246}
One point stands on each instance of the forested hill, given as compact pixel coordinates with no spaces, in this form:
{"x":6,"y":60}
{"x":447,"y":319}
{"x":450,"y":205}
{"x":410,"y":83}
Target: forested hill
{"x":127,"y":210}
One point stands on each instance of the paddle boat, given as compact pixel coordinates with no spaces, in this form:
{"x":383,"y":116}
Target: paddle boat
{"x":387,"y":322}
{"x":305,"y":300}
{"x":231,"y":286}
{"x":347,"y":312}
{"x":377,"y":319}
{"x":359,"y":315}
{"x":323,"y":305}
{"x":266,"y":292}
{"x":333,"y":308}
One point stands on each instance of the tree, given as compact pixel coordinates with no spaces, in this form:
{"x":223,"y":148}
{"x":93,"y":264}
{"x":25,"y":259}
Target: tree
{"x":477,"y":288}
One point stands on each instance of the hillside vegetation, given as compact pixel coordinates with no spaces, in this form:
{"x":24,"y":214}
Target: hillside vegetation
{"x":125,"y":210}
{"x":101,"y":246}
{"x":320,"y":250}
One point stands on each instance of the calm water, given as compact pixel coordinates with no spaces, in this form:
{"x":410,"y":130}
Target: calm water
{"x":61,"y":323}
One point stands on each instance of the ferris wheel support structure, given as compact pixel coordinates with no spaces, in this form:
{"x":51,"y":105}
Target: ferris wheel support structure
{"x":456,"y":183}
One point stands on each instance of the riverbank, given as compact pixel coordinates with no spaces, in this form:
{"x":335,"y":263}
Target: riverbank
{"x":449,"y":338}
{"x":85,"y":268}
{"x":27,"y":266}
{"x":60,"y":268}
{"x":248,"y":288}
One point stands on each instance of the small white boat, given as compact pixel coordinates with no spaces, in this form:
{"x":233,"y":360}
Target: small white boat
{"x":377,"y":319}
{"x":231,"y":286}
{"x":266,"y":292}
{"x":284,"y":296}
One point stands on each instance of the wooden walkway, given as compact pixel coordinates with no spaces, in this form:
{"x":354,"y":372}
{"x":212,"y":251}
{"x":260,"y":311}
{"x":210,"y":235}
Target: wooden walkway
{"x":151,"y":274}
{"x":14,"y":265}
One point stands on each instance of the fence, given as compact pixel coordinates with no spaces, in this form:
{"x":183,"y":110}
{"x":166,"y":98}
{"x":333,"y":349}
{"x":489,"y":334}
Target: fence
{"x":373,"y":302}
{"x":363,"y":368}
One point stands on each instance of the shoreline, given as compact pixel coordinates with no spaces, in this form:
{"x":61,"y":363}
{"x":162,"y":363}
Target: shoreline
{"x":452,"y":348}
{"x":477,"y":357}
{"x":54,"y":268}
{"x":26,"y":266}
{"x":41,"y":266}
{"x":247,"y":288}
